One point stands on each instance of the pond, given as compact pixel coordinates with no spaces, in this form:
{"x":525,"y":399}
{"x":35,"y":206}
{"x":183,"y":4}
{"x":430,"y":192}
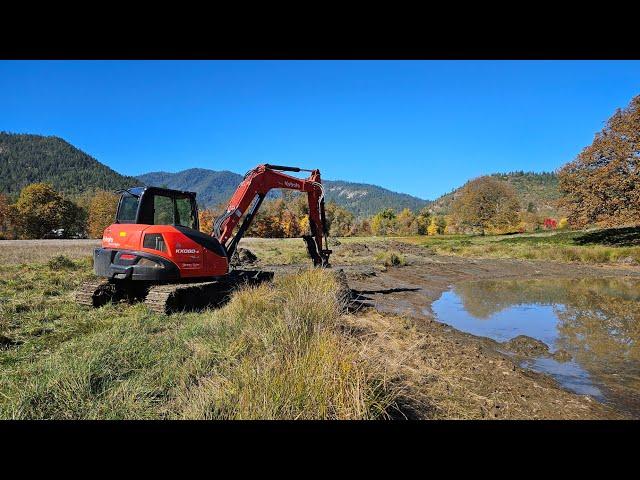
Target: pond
{"x":593,"y":322}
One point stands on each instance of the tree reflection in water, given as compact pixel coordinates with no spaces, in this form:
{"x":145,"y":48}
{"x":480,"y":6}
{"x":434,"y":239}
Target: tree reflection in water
{"x":597,"y":320}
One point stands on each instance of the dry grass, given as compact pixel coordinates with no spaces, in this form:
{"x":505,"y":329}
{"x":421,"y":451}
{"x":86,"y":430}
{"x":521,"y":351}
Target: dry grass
{"x":391,"y":259}
{"x":14,"y":252}
{"x":273,"y":352}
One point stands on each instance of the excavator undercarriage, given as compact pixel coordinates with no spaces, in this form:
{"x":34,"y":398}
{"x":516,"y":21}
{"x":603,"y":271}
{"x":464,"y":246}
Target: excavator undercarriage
{"x":170,"y":297}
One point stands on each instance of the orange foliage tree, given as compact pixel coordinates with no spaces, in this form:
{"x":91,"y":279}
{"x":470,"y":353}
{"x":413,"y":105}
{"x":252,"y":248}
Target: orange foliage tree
{"x":102,"y":212}
{"x":602,"y":185}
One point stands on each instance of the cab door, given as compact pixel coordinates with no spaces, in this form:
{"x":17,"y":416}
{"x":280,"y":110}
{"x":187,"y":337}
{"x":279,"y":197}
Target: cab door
{"x":188,"y":253}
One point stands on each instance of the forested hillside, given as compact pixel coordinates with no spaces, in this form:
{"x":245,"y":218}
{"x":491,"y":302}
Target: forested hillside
{"x":364,"y":200}
{"x":26,"y":159}
{"x":215,"y":187}
{"x":537,"y":192}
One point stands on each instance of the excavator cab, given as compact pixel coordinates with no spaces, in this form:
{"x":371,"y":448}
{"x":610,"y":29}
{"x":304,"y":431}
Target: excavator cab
{"x":156,"y":238}
{"x":158,"y":206}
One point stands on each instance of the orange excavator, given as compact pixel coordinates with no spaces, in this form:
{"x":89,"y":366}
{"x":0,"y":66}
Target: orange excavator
{"x":155,"y":251}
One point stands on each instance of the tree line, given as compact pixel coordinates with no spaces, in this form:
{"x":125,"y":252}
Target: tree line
{"x":483,"y":205}
{"x":40,"y":209}
{"x":600,"y":187}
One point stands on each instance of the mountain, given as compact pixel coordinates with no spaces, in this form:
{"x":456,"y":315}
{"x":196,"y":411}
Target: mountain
{"x":365,"y":200}
{"x":215,"y":187}
{"x":26,"y":159}
{"x":537,"y":191}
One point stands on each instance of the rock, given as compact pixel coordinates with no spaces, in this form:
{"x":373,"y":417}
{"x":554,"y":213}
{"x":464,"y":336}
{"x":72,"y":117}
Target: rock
{"x":335,"y":242}
{"x":525,"y":345}
{"x":246,"y":256}
{"x":561,"y":356}
{"x":628,"y":260}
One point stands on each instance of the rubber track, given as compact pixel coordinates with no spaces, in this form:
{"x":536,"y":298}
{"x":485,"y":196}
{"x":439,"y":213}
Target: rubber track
{"x":170,"y":298}
{"x":165,"y":299}
{"x":91,"y":293}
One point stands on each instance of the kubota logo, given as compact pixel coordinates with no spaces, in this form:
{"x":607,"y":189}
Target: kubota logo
{"x":291,"y":184}
{"x":186,"y":250}
{"x":108,"y":239}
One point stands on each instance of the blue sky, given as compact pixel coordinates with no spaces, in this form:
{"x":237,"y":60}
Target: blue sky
{"x":420,"y":127}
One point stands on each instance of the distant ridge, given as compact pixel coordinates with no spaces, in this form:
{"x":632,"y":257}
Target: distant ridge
{"x":29,"y":158}
{"x":26,"y":158}
{"x":215,"y":187}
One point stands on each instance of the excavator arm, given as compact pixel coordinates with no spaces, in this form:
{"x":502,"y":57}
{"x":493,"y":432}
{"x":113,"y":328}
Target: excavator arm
{"x":249,"y":196}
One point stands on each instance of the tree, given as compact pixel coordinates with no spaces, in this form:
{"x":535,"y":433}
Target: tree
{"x":433,"y":227}
{"x":486,"y":203}
{"x":41,"y":209}
{"x":290,"y":224}
{"x":422,"y":221}
{"x":602,"y":184}
{"x":437,"y":225}
{"x":102,"y":212}
{"x":563,"y":223}
{"x":384,"y":222}
{"x":405,"y":222}
{"x":7,"y":218}
{"x":339,"y":220}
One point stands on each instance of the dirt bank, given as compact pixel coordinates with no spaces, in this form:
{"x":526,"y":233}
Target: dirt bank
{"x":443,"y":372}
{"x":446,"y":373}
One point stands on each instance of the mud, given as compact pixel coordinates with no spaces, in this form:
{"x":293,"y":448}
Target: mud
{"x":448,"y":373}
{"x":442,"y":372}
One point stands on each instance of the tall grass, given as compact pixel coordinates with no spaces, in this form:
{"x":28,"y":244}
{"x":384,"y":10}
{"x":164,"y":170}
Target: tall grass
{"x":273,"y":352}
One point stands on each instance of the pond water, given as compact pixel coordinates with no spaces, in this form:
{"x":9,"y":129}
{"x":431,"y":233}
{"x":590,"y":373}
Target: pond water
{"x":596,"y":321}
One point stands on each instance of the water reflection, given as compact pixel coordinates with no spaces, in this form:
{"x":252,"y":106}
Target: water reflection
{"x":595,"y":320}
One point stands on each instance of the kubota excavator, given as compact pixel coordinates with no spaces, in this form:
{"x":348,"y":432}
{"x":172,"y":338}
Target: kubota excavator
{"x":155,"y":251}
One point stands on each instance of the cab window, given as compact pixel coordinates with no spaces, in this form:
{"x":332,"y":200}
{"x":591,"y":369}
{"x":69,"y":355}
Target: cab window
{"x":162,"y":210}
{"x":184,"y":213}
{"x":127,"y":209}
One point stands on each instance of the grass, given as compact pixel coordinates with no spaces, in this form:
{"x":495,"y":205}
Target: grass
{"x":603,"y":246}
{"x":15,"y":252}
{"x":391,"y":259}
{"x":273,"y":352}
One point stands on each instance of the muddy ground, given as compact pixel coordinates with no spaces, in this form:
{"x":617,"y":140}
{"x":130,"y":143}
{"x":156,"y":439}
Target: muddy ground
{"x":442,"y":372}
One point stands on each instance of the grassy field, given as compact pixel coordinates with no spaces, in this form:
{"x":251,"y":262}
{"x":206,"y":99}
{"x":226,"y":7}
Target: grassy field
{"x":273,"y":352}
{"x":608,"y":246}
{"x":615,"y":246}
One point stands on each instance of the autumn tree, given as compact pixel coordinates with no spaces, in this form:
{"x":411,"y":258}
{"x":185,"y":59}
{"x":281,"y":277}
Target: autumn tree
{"x":339,"y":221}
{"x":40,"y":209}
{"x":437,"y":225}
{"x":486,"y":203}
{"x":384,"y":222}
{"x":208,"y":216}
{"x":102,"y":212}
{"x":602,"y":184}
{"x":7,"y":218}
{"x":405,"y":222}
{"x":421,"y":221}
{"x":432,"y":229}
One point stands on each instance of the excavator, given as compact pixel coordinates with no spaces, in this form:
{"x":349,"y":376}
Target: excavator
{"x":155,"y":252}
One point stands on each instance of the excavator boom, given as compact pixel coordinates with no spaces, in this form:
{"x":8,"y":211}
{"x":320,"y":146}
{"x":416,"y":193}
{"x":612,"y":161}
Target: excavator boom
{"x":249,"y":195}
